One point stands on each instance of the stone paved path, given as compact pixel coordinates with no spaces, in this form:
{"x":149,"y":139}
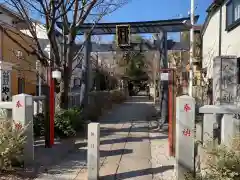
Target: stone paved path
{"x":129,"y":149}
{"x":162,"y":164}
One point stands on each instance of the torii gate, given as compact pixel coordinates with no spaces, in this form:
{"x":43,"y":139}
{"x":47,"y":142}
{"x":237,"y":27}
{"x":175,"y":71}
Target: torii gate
{"x":161,"y":27}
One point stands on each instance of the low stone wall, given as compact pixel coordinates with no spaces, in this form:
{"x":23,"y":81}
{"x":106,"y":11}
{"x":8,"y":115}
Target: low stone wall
{"x":220,"y":124}
{"x":99,"y":101}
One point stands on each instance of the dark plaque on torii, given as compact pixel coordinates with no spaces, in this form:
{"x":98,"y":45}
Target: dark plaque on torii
{"x":123,"y":35}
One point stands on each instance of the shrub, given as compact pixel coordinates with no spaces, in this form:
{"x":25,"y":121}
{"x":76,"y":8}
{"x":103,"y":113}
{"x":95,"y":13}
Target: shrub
{"x":68,"y":122}
{"x":222,"y":162}
{"x":11,"y":144}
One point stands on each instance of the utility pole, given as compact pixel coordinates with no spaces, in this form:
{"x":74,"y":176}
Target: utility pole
{"x":191,"y":49}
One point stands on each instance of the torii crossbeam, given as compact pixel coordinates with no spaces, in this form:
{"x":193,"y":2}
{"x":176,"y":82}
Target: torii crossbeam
{"x":170,"y":25}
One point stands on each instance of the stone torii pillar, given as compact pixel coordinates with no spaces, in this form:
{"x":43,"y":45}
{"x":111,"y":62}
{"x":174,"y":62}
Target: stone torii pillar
{"x":85,"y":70}
{"x":162,"y":46}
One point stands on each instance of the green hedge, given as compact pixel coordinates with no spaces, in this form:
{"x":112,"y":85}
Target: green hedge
{"x":68,"y":122}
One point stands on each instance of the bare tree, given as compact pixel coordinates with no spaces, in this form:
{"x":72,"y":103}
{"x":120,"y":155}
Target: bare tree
{"x":175,"y":59}
{"x":71,"y":14}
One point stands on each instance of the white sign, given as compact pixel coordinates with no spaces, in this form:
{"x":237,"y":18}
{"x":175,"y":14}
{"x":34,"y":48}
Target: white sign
{"x":164,"y":76}
{"x":93,"y":150}
{"x":185,"y":123}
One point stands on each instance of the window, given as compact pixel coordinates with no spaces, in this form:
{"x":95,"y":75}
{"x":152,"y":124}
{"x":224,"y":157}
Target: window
{"x":236,"y":10}
{"x":229,"y":17}
{"x":21,"y":85}
{"x":76,"y":82}
{"x":232,"y":14}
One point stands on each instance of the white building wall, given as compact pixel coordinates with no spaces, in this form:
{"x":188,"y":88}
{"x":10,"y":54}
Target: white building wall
{"x":210,"y":43}
{"x":231,"y":39}
{"x":42,"y":35}
{"x":230,"y":42}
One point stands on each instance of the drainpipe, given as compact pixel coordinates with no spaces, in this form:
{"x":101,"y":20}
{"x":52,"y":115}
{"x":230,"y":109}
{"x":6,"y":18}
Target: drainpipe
{"x":191,"y":51}
{"x":1,"y":56}
{"x":220,"y":33}
{"x":1,"y":43}
{"x":220,"y":50}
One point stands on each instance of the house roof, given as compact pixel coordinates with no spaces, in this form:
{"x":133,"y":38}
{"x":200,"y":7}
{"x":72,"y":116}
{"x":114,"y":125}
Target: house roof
{"x":214,"y":5}
{"x":169,"y":25}
{"x":211,"y":10}
{"x":13,"y":13}
{"x":198,"y":27}
{"x":13,"y":29}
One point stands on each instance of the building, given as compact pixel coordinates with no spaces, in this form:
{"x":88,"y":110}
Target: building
{"x":17,"y":67}
{"x":25,"y":79}
{"x":220,"y":32}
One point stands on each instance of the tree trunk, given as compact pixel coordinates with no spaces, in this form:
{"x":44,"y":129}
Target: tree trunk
{"x":164,"y":86}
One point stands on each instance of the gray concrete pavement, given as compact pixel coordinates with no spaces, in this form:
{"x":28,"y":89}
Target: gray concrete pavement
{"x":126,"y":148}
{"x":163,"y":165}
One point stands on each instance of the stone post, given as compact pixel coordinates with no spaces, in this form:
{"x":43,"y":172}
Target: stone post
{"x":230,"y":125}
{"x":93,"y":157}
{"x":185,"y":134}
{"x":223,"y":118}
{"x":225,"y":80}
{"x":209,"y":121}
{"x":22,"y":115}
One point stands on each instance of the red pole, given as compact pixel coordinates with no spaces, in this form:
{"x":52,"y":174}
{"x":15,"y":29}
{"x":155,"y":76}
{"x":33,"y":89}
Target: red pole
{"x":52,"y":107}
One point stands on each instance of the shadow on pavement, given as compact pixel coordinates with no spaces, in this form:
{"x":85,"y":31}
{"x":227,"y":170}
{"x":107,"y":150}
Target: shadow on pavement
{"x":77,"y":160}
{"x":130,"y":139}
{"x":116,"y":152}
{"x":137,"y":173}
{"x":106,"y":131}
{"x":46,"y":157}
{"x":74,"y":162}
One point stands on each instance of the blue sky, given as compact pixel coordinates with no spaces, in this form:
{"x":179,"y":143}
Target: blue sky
{"x":147,"y":10}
